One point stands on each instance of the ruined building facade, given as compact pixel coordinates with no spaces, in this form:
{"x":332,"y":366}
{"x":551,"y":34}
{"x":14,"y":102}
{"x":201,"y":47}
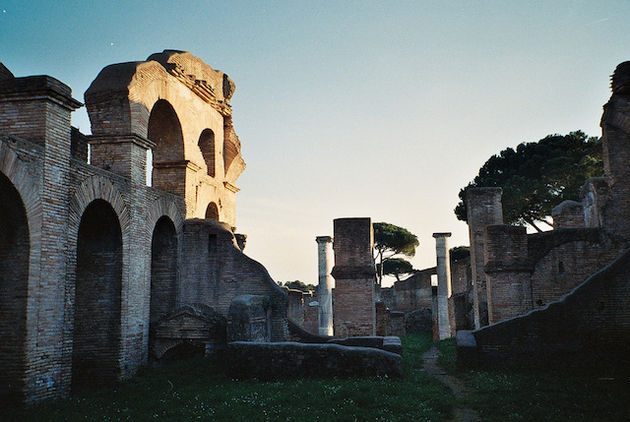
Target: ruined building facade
{"x":98,"y":271}
{"x":562,"y":295}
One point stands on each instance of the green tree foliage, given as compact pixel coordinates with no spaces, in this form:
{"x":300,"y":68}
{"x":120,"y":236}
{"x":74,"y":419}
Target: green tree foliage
{"x":459,"y":252}
{"x":298,"y":285}
{"x":391,"y":240}
{"x":397,"y":267}
{"x":537,"y":176}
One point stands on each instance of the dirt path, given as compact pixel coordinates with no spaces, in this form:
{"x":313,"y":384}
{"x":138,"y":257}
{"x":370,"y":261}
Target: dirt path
{"x":430,"y":365}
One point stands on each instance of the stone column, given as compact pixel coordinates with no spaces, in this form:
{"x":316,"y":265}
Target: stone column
{"x":324,"y":289}
{"x":444,"y":283}
{"x":483,"y":209}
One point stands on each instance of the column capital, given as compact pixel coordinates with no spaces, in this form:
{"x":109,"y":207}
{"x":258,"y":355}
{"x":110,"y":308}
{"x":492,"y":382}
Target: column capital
{"x":323,"y":239}
{"x":442,"y":234}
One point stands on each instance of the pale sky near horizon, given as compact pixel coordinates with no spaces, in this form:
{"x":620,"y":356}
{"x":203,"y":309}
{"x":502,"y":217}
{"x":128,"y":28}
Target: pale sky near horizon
{"x":351,"y":108}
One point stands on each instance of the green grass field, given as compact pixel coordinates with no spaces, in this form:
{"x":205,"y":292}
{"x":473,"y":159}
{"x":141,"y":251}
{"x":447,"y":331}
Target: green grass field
{"x":584,"y":394}
{"x":200,"y":390}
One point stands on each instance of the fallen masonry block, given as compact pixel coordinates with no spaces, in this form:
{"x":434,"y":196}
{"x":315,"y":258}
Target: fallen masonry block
{"x":289,"y":359}
{"x":387,"y":343}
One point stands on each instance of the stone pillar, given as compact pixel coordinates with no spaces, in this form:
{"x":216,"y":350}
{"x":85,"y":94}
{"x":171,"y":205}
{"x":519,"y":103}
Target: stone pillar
{"x":354,"y":312}
{"x":483,"y":209}
{"x":444,"y":290}
{"x":508,"y":273}
{"x":326,"y":281}
{"x":125,"y":155}
{"x":37,"y":109}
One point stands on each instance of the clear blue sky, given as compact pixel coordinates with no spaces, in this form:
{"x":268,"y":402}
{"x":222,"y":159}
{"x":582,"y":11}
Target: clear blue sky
{"x":353,"y":108}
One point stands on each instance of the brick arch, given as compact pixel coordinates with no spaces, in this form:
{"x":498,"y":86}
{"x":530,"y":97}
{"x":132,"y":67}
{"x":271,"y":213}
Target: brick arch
{"x":21,"y":182}
{"x":97,"y":187}
{"x":163,"y":208}
{"x":92,"y":189}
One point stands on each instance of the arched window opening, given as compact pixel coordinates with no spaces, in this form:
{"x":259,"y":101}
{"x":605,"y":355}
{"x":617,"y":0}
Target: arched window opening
{"x":163,"y":269}
{"x":206,"y":145}
{"x":212,"y":212}
{"x":98,"y":293}
{"x":14,"y":259}
{"x":169,"y":167}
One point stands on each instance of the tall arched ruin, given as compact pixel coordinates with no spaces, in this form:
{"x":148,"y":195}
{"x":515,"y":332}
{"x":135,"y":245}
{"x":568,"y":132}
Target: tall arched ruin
{"x":97,"y":269}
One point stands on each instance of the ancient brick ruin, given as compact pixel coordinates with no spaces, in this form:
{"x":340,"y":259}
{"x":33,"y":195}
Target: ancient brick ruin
{"x":561,"y":296}
{"x":98,"y":271}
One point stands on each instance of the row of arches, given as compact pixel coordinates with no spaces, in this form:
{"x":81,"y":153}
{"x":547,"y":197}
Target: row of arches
{"x":164,"y":129}
{"x":97,"y":290}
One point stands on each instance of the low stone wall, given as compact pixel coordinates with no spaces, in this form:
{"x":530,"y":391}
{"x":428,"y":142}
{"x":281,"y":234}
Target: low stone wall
{"x":419,"y":321}
{"x":387,"y":343}
{"x":591,"y":324}
{"x":288,"y":359}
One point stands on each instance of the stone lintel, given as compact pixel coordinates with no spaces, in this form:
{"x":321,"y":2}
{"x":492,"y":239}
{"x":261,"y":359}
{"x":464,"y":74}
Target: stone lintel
{"x":133,"y":138}
{"x":177,"y":164}
{"x":42,"y":87}
{"x":442,"y":234}
{"x":323,"y":239}
{"x":231,"y":187}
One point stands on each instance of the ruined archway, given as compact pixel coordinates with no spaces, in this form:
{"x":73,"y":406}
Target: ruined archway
{"x":212,"y":212}
{"x":163,"y":269}
{"x":206,"y":145}
{"x":97,"y":319}
{"x":14,"y":261}
{"x":169,"y":166}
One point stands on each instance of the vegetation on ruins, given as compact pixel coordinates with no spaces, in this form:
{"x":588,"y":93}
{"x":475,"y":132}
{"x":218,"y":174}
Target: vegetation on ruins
{"x":459,"y":252}
{"x":391,"y":240}
{"x":397,"y":267}
{"x":537,"y":176}
{"x":298,"y":285}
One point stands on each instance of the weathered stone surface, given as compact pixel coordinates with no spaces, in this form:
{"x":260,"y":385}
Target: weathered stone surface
{"x":419,"y":321}
{"x":195,"y":324}
{"x":249,"y":319}
{"x":285,"y":359}
{"x":389,"y":343}
{"x":175,"y":105}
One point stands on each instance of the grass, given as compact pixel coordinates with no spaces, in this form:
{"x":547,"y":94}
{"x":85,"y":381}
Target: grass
{"x":200,"y":390}
{"x":508,"y":394}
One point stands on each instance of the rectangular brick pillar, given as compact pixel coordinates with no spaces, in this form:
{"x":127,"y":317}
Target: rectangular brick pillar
{"x":483,"y":209}
{"x":354,"y":311}
{"x":37,"y":109}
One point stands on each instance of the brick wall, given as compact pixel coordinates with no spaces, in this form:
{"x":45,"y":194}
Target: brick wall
{"x":413,"y":292}
{"x":568,"y":214}
{"x":96,"y":340}
{"x":214,"y":271}
{"x":483,"y":209}
{"x":507,"y":272}
{"x":589,"y":325}
{"x":355,"y":278}
{"x":14,"y":257}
